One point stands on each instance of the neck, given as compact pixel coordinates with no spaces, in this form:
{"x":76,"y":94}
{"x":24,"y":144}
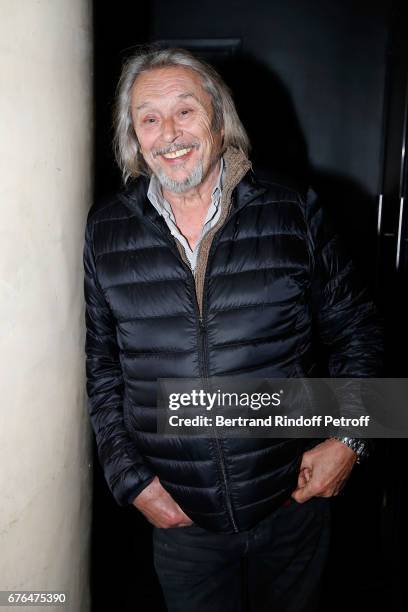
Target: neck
{"x":199,"y":196}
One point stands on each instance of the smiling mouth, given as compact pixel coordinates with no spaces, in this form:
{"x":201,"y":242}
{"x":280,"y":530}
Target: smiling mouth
{"x":176,"y":154}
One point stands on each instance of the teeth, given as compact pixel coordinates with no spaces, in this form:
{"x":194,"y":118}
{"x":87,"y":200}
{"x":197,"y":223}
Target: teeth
{"x":176,"y":154}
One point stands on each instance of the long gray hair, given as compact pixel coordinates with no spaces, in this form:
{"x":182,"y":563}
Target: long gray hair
{"x":126,"y":146}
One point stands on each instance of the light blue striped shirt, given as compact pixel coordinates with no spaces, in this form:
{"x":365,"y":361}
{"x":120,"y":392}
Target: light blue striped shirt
{"x":163,"y":207}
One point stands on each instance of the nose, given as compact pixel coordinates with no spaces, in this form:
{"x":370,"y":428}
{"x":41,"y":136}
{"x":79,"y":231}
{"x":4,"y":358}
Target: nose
{"x":170,"y":131}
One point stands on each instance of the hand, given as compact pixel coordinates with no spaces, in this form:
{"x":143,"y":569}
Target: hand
{"x":324,"y":470}
{"x":159,"y":507}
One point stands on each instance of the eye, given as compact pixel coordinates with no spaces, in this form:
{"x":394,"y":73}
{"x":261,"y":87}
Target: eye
{"x":149,"y":120}
{"x":185,"y":112}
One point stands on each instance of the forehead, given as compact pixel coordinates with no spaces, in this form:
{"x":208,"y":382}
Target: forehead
{"x":162,"y":85}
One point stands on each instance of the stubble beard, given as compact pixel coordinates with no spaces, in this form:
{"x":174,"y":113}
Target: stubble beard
{"x":195,"y":178}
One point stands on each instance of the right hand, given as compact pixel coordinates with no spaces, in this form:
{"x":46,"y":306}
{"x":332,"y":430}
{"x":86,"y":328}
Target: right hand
{"x":159,"y":507}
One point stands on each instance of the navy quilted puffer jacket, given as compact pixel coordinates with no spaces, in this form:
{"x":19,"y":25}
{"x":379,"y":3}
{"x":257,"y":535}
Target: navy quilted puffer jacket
{"x":273,"y":267}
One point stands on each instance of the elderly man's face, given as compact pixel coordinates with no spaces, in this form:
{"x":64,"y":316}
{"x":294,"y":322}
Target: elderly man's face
{"x":172,"y":116}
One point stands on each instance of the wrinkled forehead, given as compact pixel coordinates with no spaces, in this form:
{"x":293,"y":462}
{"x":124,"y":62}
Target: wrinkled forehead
{"x":168,"y":85}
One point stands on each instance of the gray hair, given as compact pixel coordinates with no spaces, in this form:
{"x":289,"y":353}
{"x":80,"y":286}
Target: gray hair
{"x":126,"y":146}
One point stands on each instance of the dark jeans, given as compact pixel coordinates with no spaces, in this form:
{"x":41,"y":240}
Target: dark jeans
{"x":274,"y":567}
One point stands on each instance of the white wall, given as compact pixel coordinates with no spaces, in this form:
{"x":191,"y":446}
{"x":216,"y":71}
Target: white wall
{"x":45,"y":191}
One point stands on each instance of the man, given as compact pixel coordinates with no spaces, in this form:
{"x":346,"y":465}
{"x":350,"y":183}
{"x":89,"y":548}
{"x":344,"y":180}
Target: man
{"x":198,"y":269}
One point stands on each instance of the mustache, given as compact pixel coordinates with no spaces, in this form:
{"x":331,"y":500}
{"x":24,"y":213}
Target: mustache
{"x":175,"y":147}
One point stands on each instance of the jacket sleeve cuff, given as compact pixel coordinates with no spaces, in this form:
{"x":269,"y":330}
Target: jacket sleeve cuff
{"x":131,"y":483}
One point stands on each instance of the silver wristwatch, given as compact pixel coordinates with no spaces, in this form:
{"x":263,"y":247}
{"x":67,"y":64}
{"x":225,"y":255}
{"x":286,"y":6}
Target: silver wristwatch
{"x":360,"y":447}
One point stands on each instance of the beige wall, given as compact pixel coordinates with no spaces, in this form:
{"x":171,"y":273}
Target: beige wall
{"x":45,"y":191}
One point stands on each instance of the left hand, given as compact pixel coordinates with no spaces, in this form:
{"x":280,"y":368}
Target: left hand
{"x":324,"y":470}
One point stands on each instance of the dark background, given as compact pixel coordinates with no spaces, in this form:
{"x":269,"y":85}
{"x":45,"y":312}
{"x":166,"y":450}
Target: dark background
{"x":320,"y":87}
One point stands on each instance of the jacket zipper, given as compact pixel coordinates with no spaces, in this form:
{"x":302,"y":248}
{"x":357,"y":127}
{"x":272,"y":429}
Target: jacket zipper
{"x":204,"y":369}
{"x":203,"y":354}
